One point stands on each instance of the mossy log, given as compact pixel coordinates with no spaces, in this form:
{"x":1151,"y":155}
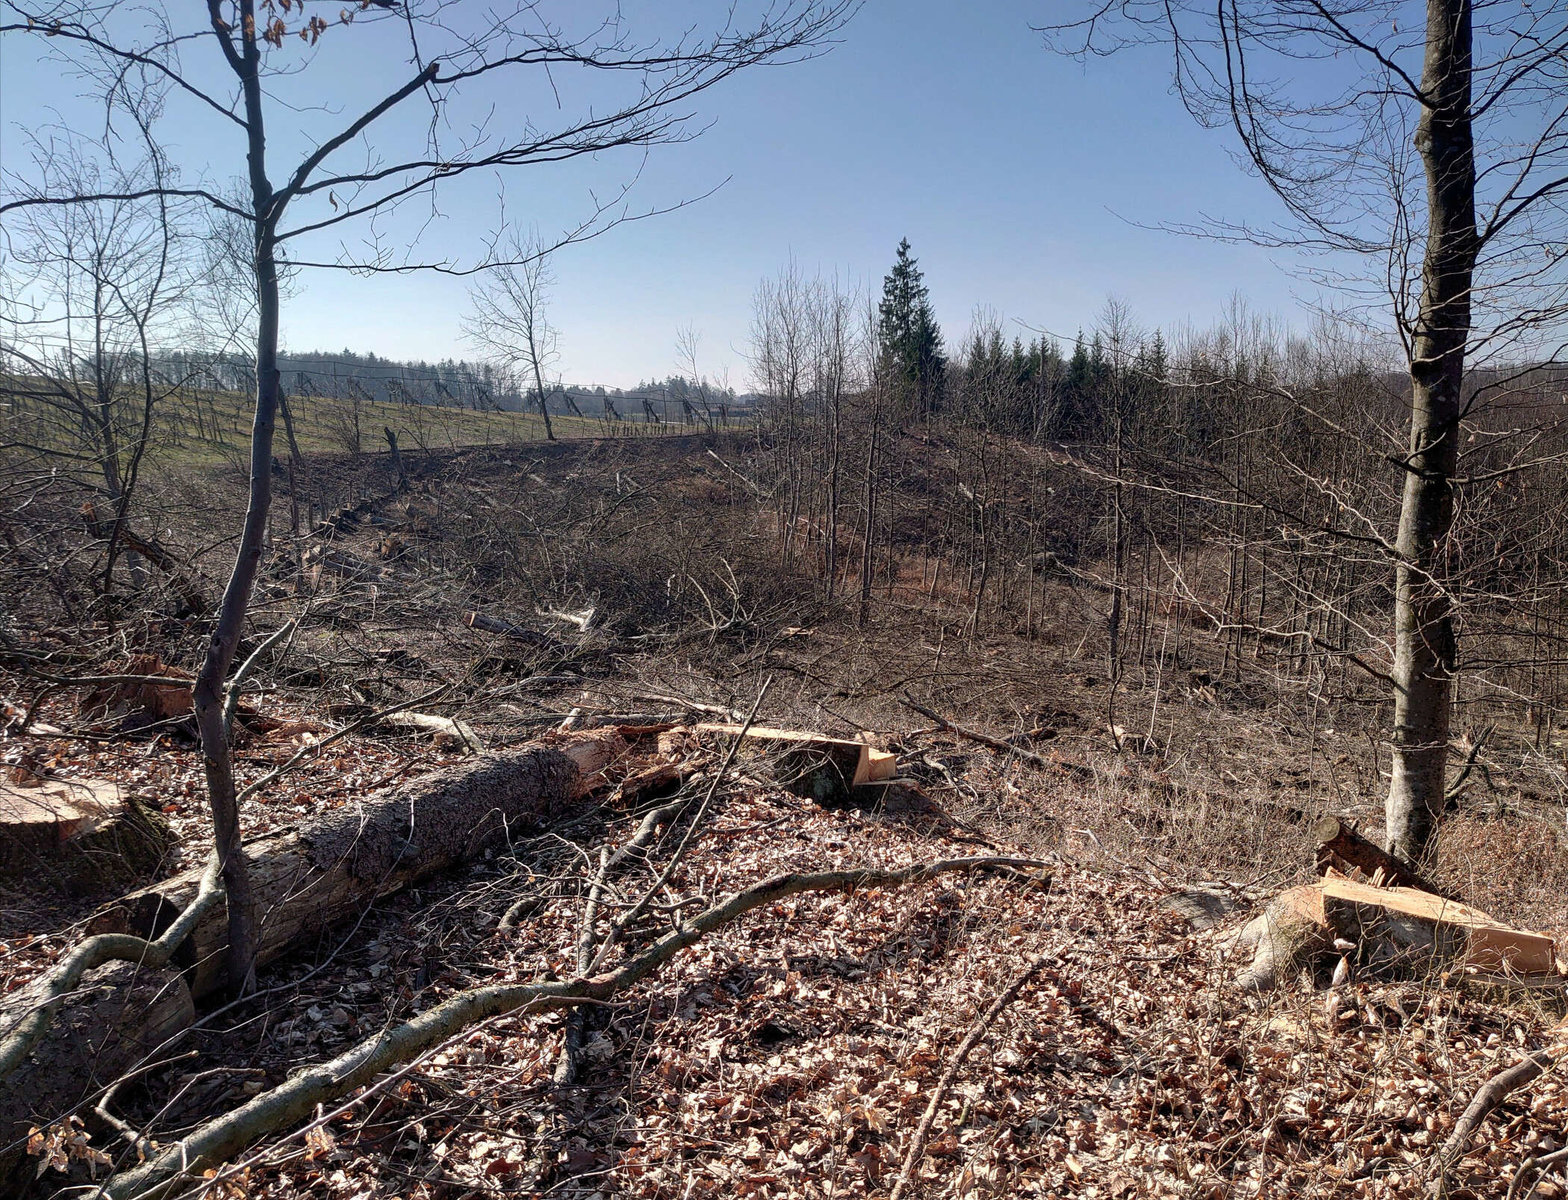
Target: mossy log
{"x":303,"y":882}
{"x":345,"y":858}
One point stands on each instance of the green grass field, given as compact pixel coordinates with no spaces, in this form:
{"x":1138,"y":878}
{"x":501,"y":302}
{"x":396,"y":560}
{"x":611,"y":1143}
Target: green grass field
{"x":212,"y":428}
{"x":197,"y":429}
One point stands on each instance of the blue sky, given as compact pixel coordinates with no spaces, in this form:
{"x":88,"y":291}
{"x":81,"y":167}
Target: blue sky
{"x":1016,"y":175}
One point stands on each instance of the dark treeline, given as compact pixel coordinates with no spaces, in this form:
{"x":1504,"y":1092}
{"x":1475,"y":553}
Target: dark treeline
{"x":460,"y":383}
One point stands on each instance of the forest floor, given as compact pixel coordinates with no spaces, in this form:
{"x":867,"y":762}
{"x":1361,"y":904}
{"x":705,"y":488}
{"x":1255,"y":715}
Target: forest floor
{"x":794,"y":1053}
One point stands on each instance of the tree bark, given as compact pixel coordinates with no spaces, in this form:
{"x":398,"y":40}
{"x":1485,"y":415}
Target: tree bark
{"x":121,"y":1014}
{"x":1424,"y":642}
{"x":92,"y":1019}
{"x":337,"y":864}
{"x":1341,"y":847}
{"x":399,"y":476}
{"x":208,"y":693}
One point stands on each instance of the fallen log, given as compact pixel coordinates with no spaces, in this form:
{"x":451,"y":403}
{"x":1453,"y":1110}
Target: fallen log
{"x":323,"y":560}
{"x":1342,"y":849}
{"x":107,"y":1007}
{"x":63,"y":1044}
{"x":812,"y":764}
{"x":519,"y":633}
{"x":447,"y":731}
{"x":121,"y":1014}
{"x":346,"y":858}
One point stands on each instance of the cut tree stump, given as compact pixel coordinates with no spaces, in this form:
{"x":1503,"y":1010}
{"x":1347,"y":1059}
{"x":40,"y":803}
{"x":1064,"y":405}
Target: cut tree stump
{"x":1392,"y":927}
{"x":338,"y":863}
{"x":121,"y":1015}
{"x":1286,"y":936}
{"x":77,"y":833}
{"x":810,"y":764}
{"x":139,"y":704}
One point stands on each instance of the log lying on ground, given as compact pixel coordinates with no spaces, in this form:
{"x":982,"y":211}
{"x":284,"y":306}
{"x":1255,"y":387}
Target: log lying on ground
{"x":341,"y":861}
{"x":811,"y":764}
{"x":519,"y":633}
{"x":322,"y":560}
{"x":1342,"y":849}
{"x":447,"y":731}
{"x":302,"y":882}
{"x":1392,"y":927}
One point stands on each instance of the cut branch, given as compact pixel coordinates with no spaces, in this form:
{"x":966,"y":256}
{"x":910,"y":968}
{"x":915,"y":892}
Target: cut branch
{"x":978,"y":1030}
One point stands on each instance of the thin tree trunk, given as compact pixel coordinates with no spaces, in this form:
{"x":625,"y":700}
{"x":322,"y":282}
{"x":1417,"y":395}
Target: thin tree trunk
{"x":1424,"y":644}
{"x":208,"y":693}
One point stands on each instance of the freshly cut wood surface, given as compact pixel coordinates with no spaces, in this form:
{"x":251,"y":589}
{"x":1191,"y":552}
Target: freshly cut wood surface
{"x":869,"y":765}
{"x":77,"y":834}
{"x":1483,"y":941}
{"x":56,"y":809}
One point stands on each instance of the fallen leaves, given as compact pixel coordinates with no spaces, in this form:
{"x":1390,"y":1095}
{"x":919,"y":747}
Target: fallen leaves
{"x":794,"y":1054}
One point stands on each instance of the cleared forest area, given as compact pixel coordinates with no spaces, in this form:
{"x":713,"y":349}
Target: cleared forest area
{"x":1017,"y":763}
{"x":793,"y":1052}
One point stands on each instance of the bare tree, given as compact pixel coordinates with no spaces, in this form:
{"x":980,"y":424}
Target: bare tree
{"x":1324,"y":98}
{"x":243,"y":65}
{"x":507,"y":321}
{"x":89,"y":295}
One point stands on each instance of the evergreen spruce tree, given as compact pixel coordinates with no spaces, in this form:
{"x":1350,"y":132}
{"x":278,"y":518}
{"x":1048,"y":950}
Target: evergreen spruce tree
{"x":1075,"y":419}
{"x":909,"y":340}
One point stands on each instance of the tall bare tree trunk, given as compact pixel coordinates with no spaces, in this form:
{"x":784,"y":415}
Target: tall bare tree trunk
{"x":208,"y":692}
{"x":1424,"y":646}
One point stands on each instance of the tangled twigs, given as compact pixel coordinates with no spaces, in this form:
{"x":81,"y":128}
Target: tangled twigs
{"x":917,"y":1148}
{"x":624,"y":922}
{"x":588,"y":940}
{"x":289,"y":1103}
{"x":974,"y":735}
